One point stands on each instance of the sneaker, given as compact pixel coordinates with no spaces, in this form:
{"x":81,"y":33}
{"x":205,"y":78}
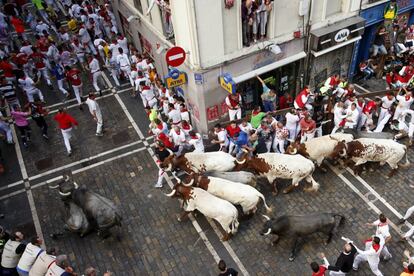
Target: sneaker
{"x":45,"y":136}
{"x":80,"y":107}
{"x":25,"y":145}
{"x":100,"y":93}
{"x":99,"y":134}
{"x":69,"y":153}
{"x":158,"y":186}
{"x":67,"y":95}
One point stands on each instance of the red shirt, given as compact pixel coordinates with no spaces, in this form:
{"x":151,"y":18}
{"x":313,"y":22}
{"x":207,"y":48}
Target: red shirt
{"x":65,"y":121}
{"x":232,"y":131}
{"x":17,"y":24}
{"x":21,"y":59}
{"x":43,"y":44}
{"x":321,"y":271}
{"x":7,"y":69}
{"x":38,"y":59}
{"x":74,"y":77}
{"x":307,"y":126}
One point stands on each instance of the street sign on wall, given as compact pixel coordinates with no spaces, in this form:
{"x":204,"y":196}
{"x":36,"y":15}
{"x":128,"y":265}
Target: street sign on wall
{"x":175,"y":56}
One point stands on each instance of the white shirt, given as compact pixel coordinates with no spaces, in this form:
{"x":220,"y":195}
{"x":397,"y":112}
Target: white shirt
{"x":114,"y":49}
{"x":175,"y":116}
{"x":411,"y":112}
{"x":78,"y":49}
{"x":148,"y":94}
{"x":403,"y":103}
{"x":386,"y":103}
{"x":338,"y":114}
{"x":185,"y":116}
{"x":197,"y":143}
{"x":98,"y":41}
{"x":221,"y":136}
{"x":137,"y":83}
{"x":178,"y":139}
{"x":246,"y":128}
{"x":383,"y":229}
{"x":94,"y":66}
{"x":123,"y":43}
{"x":123,"y":60}
{"x":292,"y":120}
{"x":94,"y":107}
{"x":42,"y":27}
{"x":84,"y":35}
{"x":352,"y":115}
{"x":27,"y":50}
{"x":27,"y":84}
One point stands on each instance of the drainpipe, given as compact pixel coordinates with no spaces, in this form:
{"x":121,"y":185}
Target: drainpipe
{"x":307,"y":45}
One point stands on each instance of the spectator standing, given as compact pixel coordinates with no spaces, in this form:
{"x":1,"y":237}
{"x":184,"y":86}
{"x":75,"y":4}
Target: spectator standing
{"x":196,"y":141}
{"x":268,"y":97}
{"x":12,"y":251}
{"x":43,"y":262}
{"x":226,"y":271}
{"x":65,"y":123}
{"x":95,"y":111}
{"x":308,"y":128}
{"x":31,"y":252}
{"x":233,"y":102}
{"x":379,"y":42}
{"x":281,"y":135}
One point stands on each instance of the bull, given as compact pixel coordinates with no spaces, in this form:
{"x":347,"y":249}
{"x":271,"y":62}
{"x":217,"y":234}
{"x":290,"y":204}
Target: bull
{"x":365,"y":150}
{"x":285,"y":166}
{"x":237,"y":193}
{"x":210,"y":206}
{"x":200,"y":162}
{"x":319,"y":148}
{"x":101,"y":213}
{"x":298,"y":227}
{"x":247,"y":178}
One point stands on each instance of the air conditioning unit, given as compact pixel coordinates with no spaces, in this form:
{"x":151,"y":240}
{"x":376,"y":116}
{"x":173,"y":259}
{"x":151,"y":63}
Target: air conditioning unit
{"x":303,"y":7}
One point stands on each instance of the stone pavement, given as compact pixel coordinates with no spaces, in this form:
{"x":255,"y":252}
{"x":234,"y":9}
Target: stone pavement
{"x":119,"y":166}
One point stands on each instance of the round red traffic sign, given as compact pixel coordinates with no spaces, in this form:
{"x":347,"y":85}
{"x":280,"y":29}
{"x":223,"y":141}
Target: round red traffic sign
{"x":175,"y":56}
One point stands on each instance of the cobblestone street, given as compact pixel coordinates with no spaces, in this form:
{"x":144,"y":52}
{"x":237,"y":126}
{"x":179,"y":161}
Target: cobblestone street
{"x":151,"y":241}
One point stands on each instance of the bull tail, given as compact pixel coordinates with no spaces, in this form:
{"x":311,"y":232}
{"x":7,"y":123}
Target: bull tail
{"x":268,"y":209}
{"x":341,"y":218}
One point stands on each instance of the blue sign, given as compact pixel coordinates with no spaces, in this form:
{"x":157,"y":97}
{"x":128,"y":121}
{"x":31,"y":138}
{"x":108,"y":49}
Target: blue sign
{"x":174,"y":73}
{"x":226,"y":81}
{"x":180,"y":91}
{"x":376,"y":13}
{"x":198,"y":78}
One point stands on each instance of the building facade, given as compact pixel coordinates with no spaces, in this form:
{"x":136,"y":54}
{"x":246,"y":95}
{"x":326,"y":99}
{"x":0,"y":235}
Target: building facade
{"x":288,"y":43}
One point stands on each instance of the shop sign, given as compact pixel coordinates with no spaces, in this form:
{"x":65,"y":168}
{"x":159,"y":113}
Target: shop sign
{"x":226,"y":81}
{"x":342,"y":35}
{"x":198,"y":78}
{"x":180,"y":91}
{"x":175,"y":56}
{"x":175,"y":78}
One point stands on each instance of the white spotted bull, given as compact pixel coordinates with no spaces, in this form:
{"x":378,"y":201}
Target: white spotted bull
{"x":247,"y":178}
{"x":365,"y":150}
{"x":201,"y":162}
{"x":210,"y":206}
{"x":298,"y":227}
{"x":237,"y":193}
{"x":319,"y":148}
{"x":285,"y":166}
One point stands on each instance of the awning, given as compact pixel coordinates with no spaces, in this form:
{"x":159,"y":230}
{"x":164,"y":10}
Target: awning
{"x":269,"y":67}
{"x":330,"y":49}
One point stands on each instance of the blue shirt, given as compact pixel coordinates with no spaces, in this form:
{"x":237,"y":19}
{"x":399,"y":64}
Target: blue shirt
{"x":58,"y":72}
{"x":243,"y":139}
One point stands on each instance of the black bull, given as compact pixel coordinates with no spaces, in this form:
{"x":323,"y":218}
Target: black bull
{"x":87,"y":210}
{"x":298,"y":227}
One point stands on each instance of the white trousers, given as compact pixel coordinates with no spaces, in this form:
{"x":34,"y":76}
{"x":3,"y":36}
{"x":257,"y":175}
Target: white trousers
{"x":293,"y":132}
{"x":127,"y":72}
{"x":409,"y":212}
{"x":45,"y":75}
{"x":307,"y":136}
{"x":279,"y":145}
{"x":61,"y":88}
{"x":336,"y":273}
{"x":114,"y":74}
{"x":95,"y":77}
{"x":4,"y":127}
{"x":235,"y":114}
{"x":385,"y":253}
{"x":383,"y":122}
{"x":77,"y":89}
{"x":383,"y":113}
{"x":398,"y":112}
{"x":30,"y":94}
{"x":373,"y":265}
{"x":99,"y":125}
{"x":67,"y":135}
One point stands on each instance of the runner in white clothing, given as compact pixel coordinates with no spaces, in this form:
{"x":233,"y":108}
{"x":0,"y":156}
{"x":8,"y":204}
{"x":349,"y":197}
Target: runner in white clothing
{"x":404,"y":103}
{"x":196,"y":141}
{"x":371,"y":254}
{"x":124,"y":64}
{"x":95,"y":111}
{"x":96,"y":73}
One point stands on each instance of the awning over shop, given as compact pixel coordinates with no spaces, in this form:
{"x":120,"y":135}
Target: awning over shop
{"x":269,"y":67}
{"x":337,"y":35}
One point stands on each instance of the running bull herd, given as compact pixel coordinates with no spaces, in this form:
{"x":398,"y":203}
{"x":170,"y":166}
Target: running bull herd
{"x":216,"y":182}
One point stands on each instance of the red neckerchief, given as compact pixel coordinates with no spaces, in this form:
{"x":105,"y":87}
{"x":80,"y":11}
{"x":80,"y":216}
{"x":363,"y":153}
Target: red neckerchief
{"x":146,"y":87}
{"x":255,"y":112}
{"x":407,"y":98}
{"x":178,"y":132}
{"x":194,"y":137}
{"x":160,"y":126}
{"x":376,"y":247}
{"x":185,"y":126}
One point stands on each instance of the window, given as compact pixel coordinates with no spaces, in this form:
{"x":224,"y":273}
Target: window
{"x":167,"y":26}
{"x":255,"y":18}
{"x":138,"y":5}
{"x":333,"y":7}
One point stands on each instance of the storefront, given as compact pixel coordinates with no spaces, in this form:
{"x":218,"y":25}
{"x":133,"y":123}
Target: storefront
{"x":374,"y":17}
{"x":332,"y":49}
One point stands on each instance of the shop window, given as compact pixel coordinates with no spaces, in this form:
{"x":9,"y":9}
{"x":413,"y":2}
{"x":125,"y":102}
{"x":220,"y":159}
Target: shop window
{"x":138,"y":5}
{"x":333,"y":7}
{"x":255,"y":19}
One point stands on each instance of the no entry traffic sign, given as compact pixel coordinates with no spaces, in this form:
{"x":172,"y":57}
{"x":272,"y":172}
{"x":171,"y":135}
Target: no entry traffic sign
{"x":175,"y":56}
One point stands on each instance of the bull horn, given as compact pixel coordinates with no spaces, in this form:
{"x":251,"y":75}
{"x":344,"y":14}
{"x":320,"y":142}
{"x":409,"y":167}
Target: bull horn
{"x":294,"y":151}
{"x":169,"y":168}
{"x":170,"y":151}
{"x":266,"y":217}
{"x":66,"y":178}
{"x":240,"y":162}
{"x":245,"y":150}
{"x":268,"y":232}
{"x":342,"y":153}
{"x":75,"y":185}
{"x":54,"y":187}
{"x":171,"y":194}
{"x":190,"y":183}
{"x":65,"y":194}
